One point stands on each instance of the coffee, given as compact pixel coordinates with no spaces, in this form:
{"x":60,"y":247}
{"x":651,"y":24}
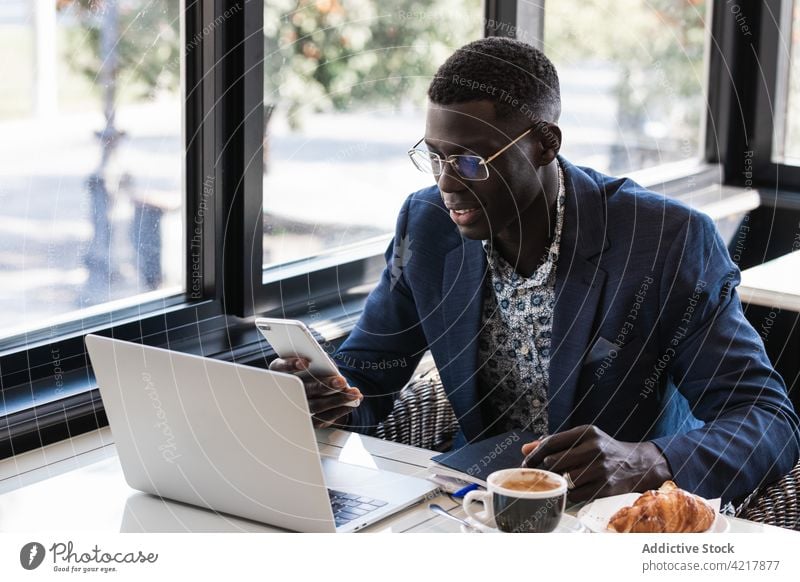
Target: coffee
{"x":530,"y":482}
{"x":520,"y":500}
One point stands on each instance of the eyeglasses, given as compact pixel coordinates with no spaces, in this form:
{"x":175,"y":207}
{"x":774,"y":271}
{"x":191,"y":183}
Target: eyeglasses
{"x":466,"y":166}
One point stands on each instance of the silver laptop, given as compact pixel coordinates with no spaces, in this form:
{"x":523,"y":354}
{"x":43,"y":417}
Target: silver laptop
{"x":235,"y":439}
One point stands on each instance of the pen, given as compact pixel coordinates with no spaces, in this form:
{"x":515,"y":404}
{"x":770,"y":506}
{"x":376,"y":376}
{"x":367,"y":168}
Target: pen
{"x":464,"y":490}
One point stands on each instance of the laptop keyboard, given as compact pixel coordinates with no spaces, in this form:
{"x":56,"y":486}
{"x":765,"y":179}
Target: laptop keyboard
{"x":347,"y":507}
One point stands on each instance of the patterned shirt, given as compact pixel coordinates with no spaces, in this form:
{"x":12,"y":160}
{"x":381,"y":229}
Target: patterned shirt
{"x":514,"y":342}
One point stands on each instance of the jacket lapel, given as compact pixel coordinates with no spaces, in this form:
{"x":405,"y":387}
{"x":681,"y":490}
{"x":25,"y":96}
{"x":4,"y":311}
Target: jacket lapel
{"x":462,"y":298}
{"x":579,"y":286}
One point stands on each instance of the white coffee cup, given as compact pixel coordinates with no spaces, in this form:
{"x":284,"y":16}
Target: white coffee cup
{"x":521,"y":508}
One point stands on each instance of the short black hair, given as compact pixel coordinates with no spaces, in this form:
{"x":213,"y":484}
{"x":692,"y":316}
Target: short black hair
{"x":517,"y":77}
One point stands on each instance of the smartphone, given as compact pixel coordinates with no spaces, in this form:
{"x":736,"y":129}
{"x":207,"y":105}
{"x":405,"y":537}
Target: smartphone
{"x":291,"y":338}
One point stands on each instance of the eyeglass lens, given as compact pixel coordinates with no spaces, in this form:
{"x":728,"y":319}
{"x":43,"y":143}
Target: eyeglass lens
{"x":468,"y":167}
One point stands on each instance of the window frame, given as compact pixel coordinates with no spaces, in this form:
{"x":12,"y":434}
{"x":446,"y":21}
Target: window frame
{"x":743,"y":120}
{"x":774,"y":27}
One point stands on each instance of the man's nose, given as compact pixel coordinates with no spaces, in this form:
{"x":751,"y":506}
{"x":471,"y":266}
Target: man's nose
{"x":448,"y":180}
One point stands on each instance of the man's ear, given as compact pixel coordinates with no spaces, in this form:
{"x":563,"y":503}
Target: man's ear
{"x":549,"y":136}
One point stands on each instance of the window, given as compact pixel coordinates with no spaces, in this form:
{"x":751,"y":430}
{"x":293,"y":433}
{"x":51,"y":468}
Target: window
{"x":344,"y":99}
{"x":768,"y":154}
{"x":632,"y":80}
{"x":91,"y":197}
{"x":787,"y":134}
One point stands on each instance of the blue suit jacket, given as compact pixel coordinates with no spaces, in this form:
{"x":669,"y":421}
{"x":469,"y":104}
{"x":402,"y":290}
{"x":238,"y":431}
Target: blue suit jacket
{"x":649,"y":338}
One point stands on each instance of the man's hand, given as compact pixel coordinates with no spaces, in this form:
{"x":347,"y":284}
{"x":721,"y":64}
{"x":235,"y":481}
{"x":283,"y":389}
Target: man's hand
{"x":327,"y":397}
{"x":597,"y":464}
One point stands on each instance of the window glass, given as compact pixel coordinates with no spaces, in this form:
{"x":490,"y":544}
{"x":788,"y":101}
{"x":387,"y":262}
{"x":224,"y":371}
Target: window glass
{"x":788,"y":152}
{"x":632,"y":76}
{"x":91,"y":193}
{"x":345,"y":91}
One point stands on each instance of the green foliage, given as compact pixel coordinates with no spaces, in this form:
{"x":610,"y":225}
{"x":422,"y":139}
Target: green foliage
{"x":341,"y":54}
{"x":148,"y":47}
{"x":657,"y":44}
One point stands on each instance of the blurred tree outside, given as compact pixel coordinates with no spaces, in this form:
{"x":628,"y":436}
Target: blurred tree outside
{"x":139,"y":66}
{"x":345,"y":87}
{"x":658,"y":48}
{"x":111,"y":43}
{"x":339,"y":55}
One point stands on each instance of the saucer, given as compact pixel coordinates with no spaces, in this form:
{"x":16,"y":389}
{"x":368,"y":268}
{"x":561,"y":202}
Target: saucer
{"x":568,"y":524}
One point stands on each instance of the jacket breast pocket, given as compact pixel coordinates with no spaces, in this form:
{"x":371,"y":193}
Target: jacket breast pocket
{"x":606,"y":363}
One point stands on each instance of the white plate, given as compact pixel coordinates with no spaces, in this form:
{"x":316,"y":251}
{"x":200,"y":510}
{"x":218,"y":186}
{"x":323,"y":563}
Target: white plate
{"x":568,"y":524}
{"x":595,"y":515}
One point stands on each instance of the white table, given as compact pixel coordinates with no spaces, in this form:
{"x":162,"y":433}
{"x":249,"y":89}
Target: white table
{"x":77,"y":485}
{"x":775,"y":283}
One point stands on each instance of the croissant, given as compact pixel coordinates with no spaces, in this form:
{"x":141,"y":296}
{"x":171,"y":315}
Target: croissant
{"x":666,"y":510}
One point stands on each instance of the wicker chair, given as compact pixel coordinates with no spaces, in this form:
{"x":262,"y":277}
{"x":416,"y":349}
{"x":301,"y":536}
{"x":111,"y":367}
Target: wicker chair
{"x":423,"y":417}
{"x":775,"y":504}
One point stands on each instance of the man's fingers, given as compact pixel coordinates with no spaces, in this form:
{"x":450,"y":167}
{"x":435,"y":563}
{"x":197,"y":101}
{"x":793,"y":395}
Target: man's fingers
{"x":324,"y":403}
{"x":585,"y":476}
{"x":528,"y":447}
{"x":539,"y":452}
{"x":535,"y":452}
{"x":562,"y":441}
{"x":288,"y":365}
{"x":328,"y":386}
{"x":572,"y":437}
{"x":578,"y":457}
{"x":317,"y":389}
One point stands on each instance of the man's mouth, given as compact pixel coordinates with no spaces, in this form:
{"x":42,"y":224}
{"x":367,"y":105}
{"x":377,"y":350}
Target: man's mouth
{"x":465,"y":216}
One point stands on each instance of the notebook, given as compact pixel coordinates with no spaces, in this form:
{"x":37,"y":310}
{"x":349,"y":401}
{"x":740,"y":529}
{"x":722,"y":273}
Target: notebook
{"x":476,"y":461}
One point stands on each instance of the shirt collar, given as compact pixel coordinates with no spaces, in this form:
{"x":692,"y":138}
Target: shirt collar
{"x":499,"y":265}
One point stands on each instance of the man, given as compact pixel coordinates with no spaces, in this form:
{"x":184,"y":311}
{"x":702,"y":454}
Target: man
{"x":562,"y":301}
